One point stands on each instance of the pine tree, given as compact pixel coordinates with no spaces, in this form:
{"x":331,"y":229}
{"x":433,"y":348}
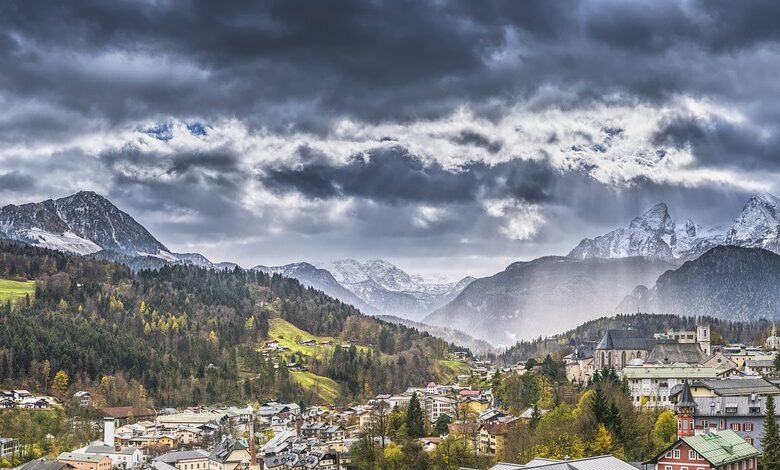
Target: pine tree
{"x":599,"y":406}
{"x":770,"y":442}
{"x":415,"y":424}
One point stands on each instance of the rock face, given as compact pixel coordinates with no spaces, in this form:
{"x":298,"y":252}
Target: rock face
{"x":653,"y":234}
{"x":728,"y":282}
{"x":544,"y":296}
{"x":758,"y":225}
{"x":83,"y":223}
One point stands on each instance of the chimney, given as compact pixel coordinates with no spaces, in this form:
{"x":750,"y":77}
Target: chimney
{"x":108,"y":431}
{"x":298,"y":427}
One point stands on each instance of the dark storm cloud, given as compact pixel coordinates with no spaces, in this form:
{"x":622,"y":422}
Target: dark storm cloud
{"x":290,"y":64}
{"x":468,"y":137}
{"x":15,"y":181}
{"x":722,"y":143}
{"x":395,"y":176}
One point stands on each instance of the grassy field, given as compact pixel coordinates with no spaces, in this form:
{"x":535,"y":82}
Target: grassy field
{"x":287,"y":334}
{"x":327,"y":389}
{"x":12,"y":290}
{"x":449,"y":370}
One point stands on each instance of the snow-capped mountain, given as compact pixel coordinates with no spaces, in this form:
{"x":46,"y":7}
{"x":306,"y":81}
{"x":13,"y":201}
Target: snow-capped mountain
{"x":653,"y":234}
{"x":320,"y":279}
{"x":82,"y":223}
{"x":758,"y":225}
{"x":391,"y":290}
{"x":86,"y":223}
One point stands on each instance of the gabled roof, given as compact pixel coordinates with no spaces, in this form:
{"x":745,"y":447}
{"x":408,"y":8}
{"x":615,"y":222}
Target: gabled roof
{"x":718,"y":448}
{"x":666,"y":352}
{"x":625,"y":339}
{"x":222,"y":452}
{"x":173,"y":457}
{"x":722,"y":447}
{"x":41,"y":464}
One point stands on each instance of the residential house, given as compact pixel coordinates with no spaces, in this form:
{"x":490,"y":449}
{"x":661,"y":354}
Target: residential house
{"x":492,"y":437}
{"x":579,"y":365}
{"x":8,"y":447}
{"x":719,"y":361}
{"x":760,"y":367}
{"x":436,"y":406}
{"x":86,"y":461}
{"x":650,"y":387}
{"x":186,"y":459}
{"x":127,"y":457}
{"x":618,"y":347}
{"x":188,"y":435}
{"x":84,"y":398}
{"x":734,"y":404}
{"x":711,"y":450}
{"x":228,"y":455}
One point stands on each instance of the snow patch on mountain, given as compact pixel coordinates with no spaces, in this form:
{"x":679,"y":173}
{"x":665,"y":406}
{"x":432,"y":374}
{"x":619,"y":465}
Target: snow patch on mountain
{"x":653,"y":234}
{"x":758,"y":225}
{"x":66,"y":241}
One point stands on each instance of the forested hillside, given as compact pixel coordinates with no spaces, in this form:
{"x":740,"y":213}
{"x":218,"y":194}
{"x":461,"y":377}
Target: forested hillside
{"x":646,"y":324}
{"x":185,"y":335}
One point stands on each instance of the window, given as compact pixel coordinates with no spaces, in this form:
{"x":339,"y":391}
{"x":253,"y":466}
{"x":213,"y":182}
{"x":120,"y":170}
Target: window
{"x":692,"y":455}
{"x":735,"y":427}
{"x":749,"y":440}
{"x":748,"y":427}
{"x":676,"y":453}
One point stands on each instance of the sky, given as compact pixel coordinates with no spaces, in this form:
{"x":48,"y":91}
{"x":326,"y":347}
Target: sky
{"x":448,"y":137}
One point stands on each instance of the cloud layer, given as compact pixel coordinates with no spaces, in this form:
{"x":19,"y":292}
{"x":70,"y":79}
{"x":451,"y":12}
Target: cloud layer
{"x":424,"y":132}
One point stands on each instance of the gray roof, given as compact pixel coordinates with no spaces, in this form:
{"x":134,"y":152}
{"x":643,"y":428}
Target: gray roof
{"x":666,"y":352}
{"x":173,"y":457}
{"x":760,"y":363}
{"x":734,"y":387}
{"x":222,"y":452}
{"x":45,"y":465}
{"x":625,"y":339}
{"x":106,"y":450}
{"x":738,"y":406}
{"x":686,"y":398}
{"x":603,"y":462}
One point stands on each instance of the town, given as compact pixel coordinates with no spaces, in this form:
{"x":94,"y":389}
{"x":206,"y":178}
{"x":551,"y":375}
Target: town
{"x":718,"y":395}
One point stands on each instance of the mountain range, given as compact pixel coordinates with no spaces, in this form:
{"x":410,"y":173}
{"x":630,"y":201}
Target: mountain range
{"x":652,"y":264}
{"x":374,"y":286}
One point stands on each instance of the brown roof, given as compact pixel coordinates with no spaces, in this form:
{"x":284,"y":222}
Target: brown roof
{"x":463,"y":428}
{"x":126,"y":411}
{"x":495,"y":428}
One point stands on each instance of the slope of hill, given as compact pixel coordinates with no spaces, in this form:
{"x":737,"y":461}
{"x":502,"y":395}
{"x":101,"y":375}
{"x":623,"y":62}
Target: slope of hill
{"x":181,"y":332}
{"x":726,"y":282}
{"x":543,"y":296}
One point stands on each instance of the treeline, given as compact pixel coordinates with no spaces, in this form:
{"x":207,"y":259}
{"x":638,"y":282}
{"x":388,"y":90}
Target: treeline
{"x":646,"y":324}
{"x":177,"y":332}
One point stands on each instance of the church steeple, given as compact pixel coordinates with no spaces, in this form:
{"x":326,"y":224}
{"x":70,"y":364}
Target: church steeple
{"x":685,"y":410}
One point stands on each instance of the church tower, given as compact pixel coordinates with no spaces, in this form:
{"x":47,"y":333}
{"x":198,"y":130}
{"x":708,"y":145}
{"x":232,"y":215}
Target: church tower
{"x":703,"y":338}
{"x":685,"y":410}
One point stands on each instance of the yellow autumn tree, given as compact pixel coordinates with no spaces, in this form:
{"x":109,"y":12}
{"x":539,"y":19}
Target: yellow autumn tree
{"x":60,"y":383}
{"x":212,"y":337}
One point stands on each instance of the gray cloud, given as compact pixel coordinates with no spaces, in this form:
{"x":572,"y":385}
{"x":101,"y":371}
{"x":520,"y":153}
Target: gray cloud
{"x":394,"y":176}
{"x":89,"y":68}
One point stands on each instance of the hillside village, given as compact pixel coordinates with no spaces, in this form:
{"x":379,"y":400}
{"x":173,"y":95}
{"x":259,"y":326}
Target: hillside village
{"x":719,"y":395}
